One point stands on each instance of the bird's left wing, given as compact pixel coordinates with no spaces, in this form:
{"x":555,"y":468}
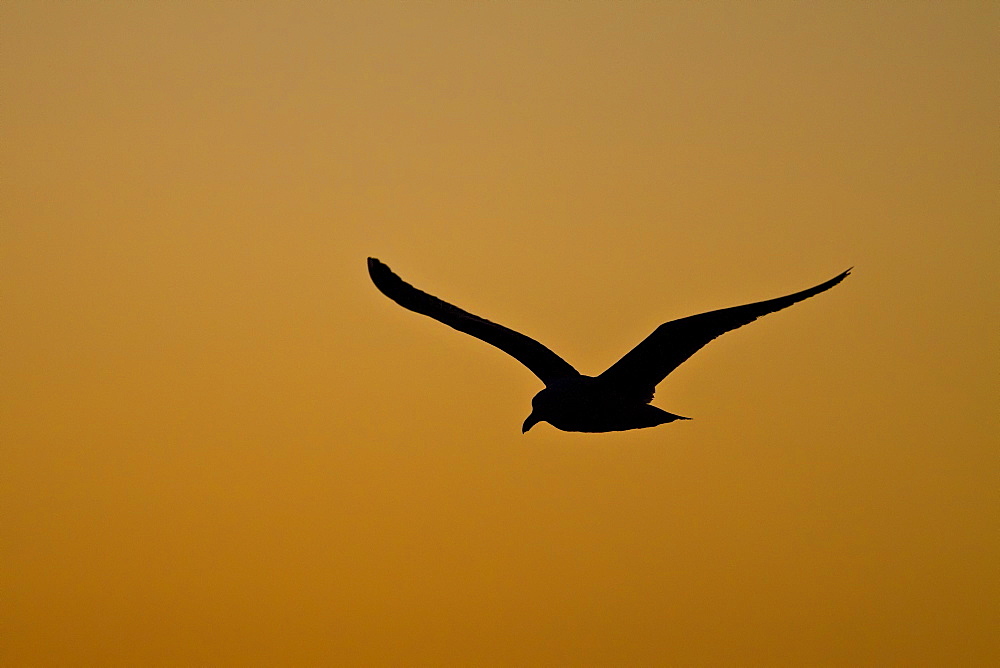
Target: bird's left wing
{"x":639,"y":371}
{"x":540,"y":360}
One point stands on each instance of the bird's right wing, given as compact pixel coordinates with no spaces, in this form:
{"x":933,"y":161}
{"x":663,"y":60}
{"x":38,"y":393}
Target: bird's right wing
{"x":540,"y":360}
{"x":672,"y":343}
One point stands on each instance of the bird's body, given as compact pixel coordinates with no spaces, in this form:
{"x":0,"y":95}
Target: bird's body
{"x":616,"y":400}
{"x":585,"y":403}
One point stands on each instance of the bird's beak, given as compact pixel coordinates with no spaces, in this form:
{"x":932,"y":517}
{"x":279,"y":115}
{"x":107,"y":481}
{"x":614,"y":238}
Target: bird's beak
{"x":530,"y":422}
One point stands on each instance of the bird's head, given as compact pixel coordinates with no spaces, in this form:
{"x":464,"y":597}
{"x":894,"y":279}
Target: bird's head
{"x":541,"y":409}
{"x":530,"y":422}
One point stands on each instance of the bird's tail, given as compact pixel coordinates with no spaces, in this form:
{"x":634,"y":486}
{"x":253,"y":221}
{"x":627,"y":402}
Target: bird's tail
{"x":659,"y":416}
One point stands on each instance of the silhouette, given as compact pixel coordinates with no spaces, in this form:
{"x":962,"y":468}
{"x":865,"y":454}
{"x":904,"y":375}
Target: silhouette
{"x":616,"y":400}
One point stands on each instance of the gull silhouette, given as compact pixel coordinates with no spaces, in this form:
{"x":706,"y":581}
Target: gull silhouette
{"x":616,"y":400}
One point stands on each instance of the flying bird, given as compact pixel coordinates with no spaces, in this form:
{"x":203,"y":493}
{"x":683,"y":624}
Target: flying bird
{"x":616,"y":400}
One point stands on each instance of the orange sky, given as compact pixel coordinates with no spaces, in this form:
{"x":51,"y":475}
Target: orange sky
{"x":221,"y":446}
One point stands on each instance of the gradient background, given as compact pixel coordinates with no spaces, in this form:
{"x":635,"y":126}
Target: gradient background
{"x":220,"y":444}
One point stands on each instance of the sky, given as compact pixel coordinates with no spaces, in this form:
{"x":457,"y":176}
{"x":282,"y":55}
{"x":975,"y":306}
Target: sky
{"x":221,"y":445}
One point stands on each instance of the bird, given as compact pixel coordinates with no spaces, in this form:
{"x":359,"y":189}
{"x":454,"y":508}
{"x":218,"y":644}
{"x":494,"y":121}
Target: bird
{"x":617,"y":399}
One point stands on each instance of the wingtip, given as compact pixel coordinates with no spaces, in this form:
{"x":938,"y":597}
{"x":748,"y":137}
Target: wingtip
{"x":841,"y":276}
{"x":377,"y":267}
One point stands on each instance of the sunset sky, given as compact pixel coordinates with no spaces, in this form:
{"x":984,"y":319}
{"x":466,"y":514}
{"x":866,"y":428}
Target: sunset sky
{"x":220,"y":445}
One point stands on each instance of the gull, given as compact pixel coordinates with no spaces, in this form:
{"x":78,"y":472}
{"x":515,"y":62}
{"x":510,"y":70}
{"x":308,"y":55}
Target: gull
{"x":616,"y":400}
